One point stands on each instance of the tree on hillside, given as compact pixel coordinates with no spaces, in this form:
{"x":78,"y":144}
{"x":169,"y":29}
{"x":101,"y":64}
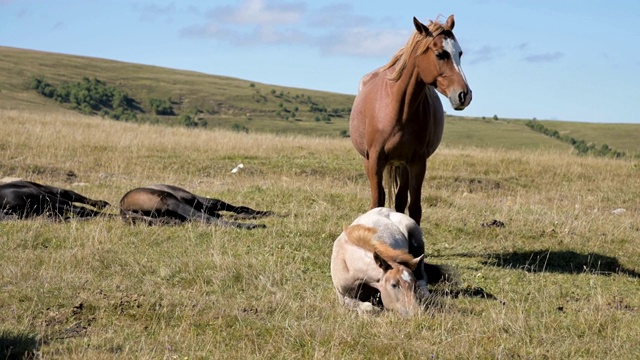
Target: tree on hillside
{"x":89,"y":96}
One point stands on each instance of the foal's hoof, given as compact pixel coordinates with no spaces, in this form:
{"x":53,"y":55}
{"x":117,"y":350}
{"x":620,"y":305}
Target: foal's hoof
{"x":367,"y":308}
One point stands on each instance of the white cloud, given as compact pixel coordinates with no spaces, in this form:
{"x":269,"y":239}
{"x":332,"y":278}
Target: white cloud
{"x":366,"y":42}
{"x":484,"y":54}
{"x":260,"y":12}
{"x":332,"y":29}
{"x":544,"y":57}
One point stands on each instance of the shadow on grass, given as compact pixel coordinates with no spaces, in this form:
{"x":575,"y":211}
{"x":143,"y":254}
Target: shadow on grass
{"x":444,"y":283}
{"x":455,"y":292}
{"x":18,"y":346}
{"x":565,"y":262}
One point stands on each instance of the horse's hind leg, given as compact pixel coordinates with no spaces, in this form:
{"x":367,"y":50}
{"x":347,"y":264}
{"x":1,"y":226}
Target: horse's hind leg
{"x":75,"y":197}
{"x":71,"y":196}
{"x":84,"y":212}
{"x":191,"y":214}
{"x":417,"y":170}
{"x":134,"y":218}
{"x":212,"y":206}
{"x":63,"y":208}
{"x":401,"y":174}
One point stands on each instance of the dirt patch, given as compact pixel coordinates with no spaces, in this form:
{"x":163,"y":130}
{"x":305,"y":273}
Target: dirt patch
{"x":65,"y":323}
{"x":472,"y":185}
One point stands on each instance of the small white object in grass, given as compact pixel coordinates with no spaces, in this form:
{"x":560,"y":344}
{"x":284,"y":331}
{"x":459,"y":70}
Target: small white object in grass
{"x":618,"y":211}
{"x":237,"y":168}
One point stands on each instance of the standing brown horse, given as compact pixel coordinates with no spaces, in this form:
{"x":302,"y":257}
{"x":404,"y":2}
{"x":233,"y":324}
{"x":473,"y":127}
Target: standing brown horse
{"x":397,"y":118}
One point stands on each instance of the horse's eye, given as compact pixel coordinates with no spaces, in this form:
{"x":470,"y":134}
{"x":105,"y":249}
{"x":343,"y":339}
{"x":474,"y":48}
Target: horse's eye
{"x":394,"y":285}
{"x":443,"y":55}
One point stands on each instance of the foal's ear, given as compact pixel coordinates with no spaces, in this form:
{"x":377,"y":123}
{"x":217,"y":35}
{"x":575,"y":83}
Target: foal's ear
{"x":420,"y":27}
{"x":450,"y":23}
{"x":382,"y":263}
{"x":416,"y":261}
{"x":413,"y":264}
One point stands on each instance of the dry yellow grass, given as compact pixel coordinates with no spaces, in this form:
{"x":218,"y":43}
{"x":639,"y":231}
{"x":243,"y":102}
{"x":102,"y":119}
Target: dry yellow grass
{"x":561,"y":278}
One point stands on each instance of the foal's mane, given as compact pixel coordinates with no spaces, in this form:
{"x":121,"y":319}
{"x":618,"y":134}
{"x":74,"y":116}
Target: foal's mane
{"x":418,"y":42}
{"x":363,"y":236}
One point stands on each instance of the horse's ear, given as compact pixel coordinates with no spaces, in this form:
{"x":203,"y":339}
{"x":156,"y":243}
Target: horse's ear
{"x":450,"y":23}
{"x":420,"y":27}
{"x":382,"y":263}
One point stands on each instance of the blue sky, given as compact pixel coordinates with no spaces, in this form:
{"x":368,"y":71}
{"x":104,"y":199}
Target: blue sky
{"x":566,"y":60}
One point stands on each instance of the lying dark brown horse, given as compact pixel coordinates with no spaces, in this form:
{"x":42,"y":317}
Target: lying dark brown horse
{"x":168,"y":204}
{"x":397,"y":118}
{"x":23,"y":199}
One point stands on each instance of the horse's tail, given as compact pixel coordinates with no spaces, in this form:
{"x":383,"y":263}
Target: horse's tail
{"x":391,"y":180}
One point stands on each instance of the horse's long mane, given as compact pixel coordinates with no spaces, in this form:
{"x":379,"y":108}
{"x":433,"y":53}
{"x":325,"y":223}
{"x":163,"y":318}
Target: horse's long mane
{"x":363,"y":236}
{"x":418,"y":42}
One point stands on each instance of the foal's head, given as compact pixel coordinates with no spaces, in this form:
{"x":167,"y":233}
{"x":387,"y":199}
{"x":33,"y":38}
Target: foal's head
{"x":397,"y":286}
{"x":439,"y":61}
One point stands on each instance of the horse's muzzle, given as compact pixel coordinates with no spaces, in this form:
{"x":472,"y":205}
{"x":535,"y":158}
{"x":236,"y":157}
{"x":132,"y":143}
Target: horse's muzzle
{"x":461,"y":100}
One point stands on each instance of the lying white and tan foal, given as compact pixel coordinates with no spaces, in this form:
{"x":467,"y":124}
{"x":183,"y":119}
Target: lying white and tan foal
{"x":373,"y":255}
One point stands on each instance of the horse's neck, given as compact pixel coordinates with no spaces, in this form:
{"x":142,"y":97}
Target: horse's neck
{"x":410,"y":89}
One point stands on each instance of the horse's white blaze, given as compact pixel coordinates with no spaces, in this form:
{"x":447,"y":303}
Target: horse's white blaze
{"x":405,"y":276}
{"x":455,"y":50}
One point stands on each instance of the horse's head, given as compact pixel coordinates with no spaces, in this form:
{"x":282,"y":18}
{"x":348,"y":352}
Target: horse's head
{"x":439,"y":65}
{"x":397,"y":286}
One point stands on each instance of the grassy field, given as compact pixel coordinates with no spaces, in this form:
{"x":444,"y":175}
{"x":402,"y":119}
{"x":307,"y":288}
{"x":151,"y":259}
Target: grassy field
{"x":559,"y":281}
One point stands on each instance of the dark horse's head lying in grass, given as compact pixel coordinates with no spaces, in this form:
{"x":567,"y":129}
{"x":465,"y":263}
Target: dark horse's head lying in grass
{"x":23,"y":199}
{"x":168,"y":204}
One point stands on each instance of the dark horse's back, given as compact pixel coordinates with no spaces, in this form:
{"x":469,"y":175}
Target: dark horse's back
{"x":23,"y":198}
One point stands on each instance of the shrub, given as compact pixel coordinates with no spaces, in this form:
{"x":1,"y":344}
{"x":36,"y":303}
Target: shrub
{"x":581,"y":146}
{"x":89,"y":96}
{"x":160,"y":106}
{"x":188,"y":121}
{"x":239,"y":128}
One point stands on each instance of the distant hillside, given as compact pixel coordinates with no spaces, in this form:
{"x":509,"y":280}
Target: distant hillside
{"x":187,"y":98}
{"x":221,"y":101}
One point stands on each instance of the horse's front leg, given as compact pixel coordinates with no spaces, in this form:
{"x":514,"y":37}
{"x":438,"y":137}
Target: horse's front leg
{"x":374,"y":167}
{"x":417,"y":170}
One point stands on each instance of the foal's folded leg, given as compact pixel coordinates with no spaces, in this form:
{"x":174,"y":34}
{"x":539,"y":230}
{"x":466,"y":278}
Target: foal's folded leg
{"x":362,"y":307}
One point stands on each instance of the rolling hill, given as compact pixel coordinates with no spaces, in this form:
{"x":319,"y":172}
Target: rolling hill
{"x":198,"y":99}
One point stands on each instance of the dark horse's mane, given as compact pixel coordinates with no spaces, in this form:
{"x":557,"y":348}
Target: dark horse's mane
{"x":416,"y":41}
